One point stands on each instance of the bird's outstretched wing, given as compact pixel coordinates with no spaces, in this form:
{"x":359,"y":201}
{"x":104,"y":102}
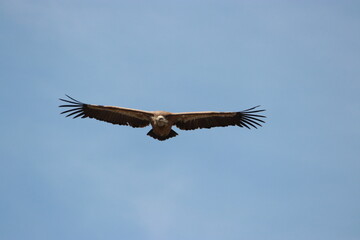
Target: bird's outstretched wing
{"x":110,"y":114}
{"x":194,"y":120}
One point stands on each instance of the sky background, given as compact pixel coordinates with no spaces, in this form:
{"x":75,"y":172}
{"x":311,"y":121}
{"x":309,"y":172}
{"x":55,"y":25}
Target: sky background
{"x":296,"y":178}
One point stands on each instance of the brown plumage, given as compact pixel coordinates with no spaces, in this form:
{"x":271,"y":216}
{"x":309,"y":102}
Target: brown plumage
{"x":161,"y":121}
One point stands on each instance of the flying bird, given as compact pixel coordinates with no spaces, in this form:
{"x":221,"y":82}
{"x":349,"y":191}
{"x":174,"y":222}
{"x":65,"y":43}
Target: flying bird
{"x":162,"y":121}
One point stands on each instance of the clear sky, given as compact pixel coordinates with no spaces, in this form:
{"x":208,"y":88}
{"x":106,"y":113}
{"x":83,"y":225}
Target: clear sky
{"x":296,"y":178}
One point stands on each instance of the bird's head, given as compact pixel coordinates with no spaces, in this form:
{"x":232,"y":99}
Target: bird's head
{"x":161,"y":121}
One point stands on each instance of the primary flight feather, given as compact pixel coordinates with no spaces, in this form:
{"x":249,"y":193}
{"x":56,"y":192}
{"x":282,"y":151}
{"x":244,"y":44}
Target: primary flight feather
{"x":162,"y":121}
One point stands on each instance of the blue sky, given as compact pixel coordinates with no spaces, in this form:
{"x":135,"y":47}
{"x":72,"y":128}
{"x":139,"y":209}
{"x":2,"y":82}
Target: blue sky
{"x":295,"y":178}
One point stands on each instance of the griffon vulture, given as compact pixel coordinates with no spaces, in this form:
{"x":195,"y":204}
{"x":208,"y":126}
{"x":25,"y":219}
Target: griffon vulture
{"x":161,"y":121}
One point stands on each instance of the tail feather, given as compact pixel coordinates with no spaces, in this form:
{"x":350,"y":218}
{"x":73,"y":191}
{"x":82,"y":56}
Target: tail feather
{"x":162,"y":138}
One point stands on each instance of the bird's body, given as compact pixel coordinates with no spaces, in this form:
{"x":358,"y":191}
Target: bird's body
{"x":162,"y":121}
{"x":161,"y":124}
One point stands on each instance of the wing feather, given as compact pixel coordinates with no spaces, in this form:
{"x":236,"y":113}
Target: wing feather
{"x":110,"y":114}
{"x":195,"y":120}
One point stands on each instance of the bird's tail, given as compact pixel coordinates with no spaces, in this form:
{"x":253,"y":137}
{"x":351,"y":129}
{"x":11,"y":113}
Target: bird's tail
{"x":162,"y":138}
